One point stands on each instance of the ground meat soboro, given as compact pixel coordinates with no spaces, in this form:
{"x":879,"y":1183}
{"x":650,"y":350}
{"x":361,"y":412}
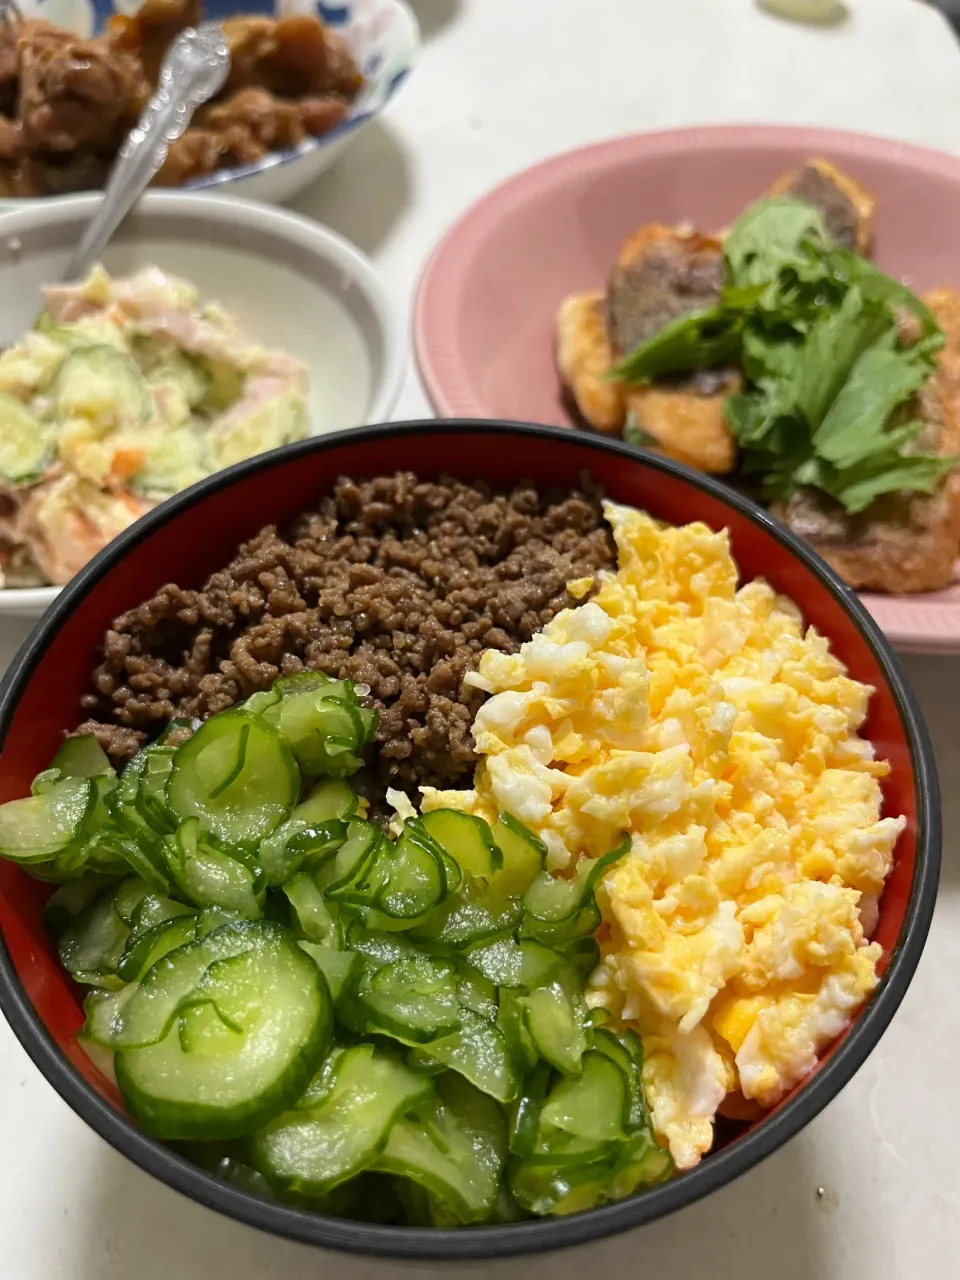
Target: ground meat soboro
{"x":393,"y":583}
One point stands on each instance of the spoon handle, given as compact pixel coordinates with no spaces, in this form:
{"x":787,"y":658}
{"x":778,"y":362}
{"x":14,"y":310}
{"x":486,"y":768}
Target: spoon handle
{"x":194,"y":69}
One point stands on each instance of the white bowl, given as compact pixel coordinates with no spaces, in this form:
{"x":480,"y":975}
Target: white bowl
{"x":291,"y":283}
{"x":384,"y":38}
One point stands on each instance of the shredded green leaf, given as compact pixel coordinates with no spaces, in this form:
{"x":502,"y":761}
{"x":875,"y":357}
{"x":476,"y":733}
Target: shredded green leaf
{"x":769,"y":236}
{"x":704,"y":339}
{"x":633,"y":433}
{"x":818,"y":333}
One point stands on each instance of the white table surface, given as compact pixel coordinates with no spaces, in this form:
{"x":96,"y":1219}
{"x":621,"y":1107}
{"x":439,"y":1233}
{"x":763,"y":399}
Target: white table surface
{"x":504,"y":83}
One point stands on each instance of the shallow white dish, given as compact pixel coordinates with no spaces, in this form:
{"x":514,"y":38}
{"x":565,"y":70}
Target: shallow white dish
{"x":383,"y":36}
{"x":292,"y":284}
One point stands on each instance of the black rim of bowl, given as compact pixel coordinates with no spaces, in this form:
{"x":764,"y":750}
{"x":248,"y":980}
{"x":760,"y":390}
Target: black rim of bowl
{"x":543,"y":1234}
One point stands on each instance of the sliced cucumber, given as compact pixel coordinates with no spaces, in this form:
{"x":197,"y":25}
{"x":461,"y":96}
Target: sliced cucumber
{"x":316,"y":826}
{"x":454,"y":1147}
{"x":558,"y":1026}
{"x":378,"y":948}
{"x":151,"y":799}
{"x":82,"y":757}
{"x":91,"y":946}
{"x":143,"y":950}
{"x":24,"y":446}
{"x":330,"y":798}
{"x":576,"y":929}
{"x":404,"y":881}
{"x":639,"y":1163}
{"x":122,"y":802}
{"x":172,"y":981}
{"x":560,"y":911}
{"x":512,"y":1025}
{"x":145,"y":858}
{"x":525,"y":1112}
{"x":466,"y":839}
{"x":128,"y":896}
{"x":509,"y":963}
{"x":524,"y":857}
{"x":237,"y":776}
{"x":312,"y":1151}
{"x":325,"y":734}
{"x":590,"y":1108}
{"x":257,"y":703}
{"x":202,"y":1028}
{"x":315,"y":682}
{"x":336,"y":966}
{"x":625,"y":1048}
{"x":39,"y":827}
{"x":102,"y":383}
{"x":65,"y":903}
{"x":478,"y":1052}
{"x":316,"y":918}
{"x":541,"y":1188}
{"x":154,"y":909}
{"x":141,"y":846}
{"x":102,"y":1009}
{"x":468,"y":917}
{"x":414,"y":999}
{"x":355,"y":857}
{"x":319,"y":1088}
{"x":211,"y":918}
{"x":208,"y":877}
{"x":250,"y":1054}
{"x":44,"y":781}
{"x":555,"y":901}
{"x":475,"y":991}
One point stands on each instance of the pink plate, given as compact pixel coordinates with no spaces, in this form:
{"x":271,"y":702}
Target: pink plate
{"x":484,"y":320}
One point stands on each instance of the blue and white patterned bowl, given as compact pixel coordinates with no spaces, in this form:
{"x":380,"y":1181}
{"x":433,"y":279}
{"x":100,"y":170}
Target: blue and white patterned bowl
{"x":383,"y":37}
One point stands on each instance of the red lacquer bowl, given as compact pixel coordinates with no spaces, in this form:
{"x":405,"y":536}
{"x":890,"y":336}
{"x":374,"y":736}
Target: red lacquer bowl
{"x":196,"y":532}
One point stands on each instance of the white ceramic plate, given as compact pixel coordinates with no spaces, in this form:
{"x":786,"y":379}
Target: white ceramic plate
{"x":385,"y":41}
{"x":292,"y":284}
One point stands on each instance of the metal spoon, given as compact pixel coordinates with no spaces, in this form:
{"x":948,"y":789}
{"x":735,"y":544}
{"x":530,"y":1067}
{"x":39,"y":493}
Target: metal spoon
{"x":10,"y":17}
{"x":194,"y":69}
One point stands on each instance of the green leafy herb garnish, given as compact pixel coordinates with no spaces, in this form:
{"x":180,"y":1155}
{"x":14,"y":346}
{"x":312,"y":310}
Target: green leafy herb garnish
{"x":817,"y":331}
{"x":633,"y":433}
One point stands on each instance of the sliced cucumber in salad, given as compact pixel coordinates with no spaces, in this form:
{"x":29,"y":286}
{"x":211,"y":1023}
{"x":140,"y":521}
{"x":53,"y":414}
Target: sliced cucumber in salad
{"x":230,"y":912}
{"x":25,"y":451}
{"x":102,"y":383}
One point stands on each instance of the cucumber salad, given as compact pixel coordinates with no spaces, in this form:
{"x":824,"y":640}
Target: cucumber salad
{"x":125,"y":392}
{"x":368,"y":1025}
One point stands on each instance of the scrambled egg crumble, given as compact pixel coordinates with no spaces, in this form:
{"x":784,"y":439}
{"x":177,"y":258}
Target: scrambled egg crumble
{"x":705,"y":721}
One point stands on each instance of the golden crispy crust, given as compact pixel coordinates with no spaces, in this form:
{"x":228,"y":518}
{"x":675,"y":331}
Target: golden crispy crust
{"x":904,"y":543}
{"x":584,"y":358}
{"x":688,"y":426}
{"x":636,"y":245}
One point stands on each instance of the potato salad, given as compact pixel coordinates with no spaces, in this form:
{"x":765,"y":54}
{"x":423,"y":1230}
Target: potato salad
{"x":125,"y":392}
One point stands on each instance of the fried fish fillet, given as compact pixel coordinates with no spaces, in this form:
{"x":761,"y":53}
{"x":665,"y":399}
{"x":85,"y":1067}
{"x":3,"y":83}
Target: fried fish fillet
{"x":662,"y":274}
{"x":686,"y":418}
{"x":904,"y":542}
{"x":584,"y":358}
{"x":846,"y":208}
